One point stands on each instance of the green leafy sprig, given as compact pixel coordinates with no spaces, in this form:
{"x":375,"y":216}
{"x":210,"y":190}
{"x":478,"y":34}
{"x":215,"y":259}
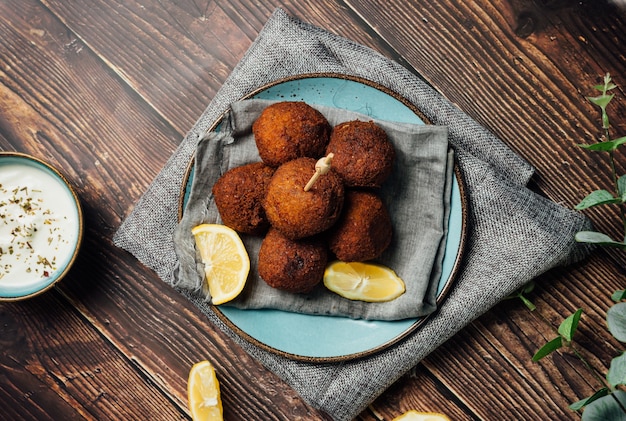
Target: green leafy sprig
{"x":604,"y":197}
{"x":608,"y":402}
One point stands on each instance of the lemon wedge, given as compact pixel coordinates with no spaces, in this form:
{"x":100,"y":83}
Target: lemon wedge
{"x":363,"y":281}
{"x":226,"y":262}
{"x":421,"y":416}
{"x":203,"y":393}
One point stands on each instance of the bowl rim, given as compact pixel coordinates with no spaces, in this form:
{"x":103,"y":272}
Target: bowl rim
{"x":79,"y":210}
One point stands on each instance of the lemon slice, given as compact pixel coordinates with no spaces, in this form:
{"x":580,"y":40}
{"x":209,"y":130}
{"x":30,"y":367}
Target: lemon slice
{"x":226,"y":262}
{"x":203,"y":392}
{"x":363,"y":281}
{"x":421,"y":416}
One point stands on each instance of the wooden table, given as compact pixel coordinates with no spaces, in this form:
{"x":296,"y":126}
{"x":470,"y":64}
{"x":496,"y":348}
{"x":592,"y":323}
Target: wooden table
{"x":106,"y":90}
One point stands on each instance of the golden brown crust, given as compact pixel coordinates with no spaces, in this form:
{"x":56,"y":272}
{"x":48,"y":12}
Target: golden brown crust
{"x":363,"y":155}
{"x":297,"y":213}
{"x":239,"y":194}
{"x":292,"y":265}
{"x":364,"y":230}
{"x":288,"y":130}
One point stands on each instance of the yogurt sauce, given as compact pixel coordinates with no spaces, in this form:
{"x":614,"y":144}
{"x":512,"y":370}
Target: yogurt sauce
{"x":39,"y":226}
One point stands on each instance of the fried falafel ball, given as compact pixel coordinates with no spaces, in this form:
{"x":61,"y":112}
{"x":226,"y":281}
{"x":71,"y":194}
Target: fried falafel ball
{"x":292,"y":265}
{"x":363,"y":154}
{"x":288,"y":130}
{"x":297,"y":213}
{"x":364,"y":230}
{"x":239,"y":194}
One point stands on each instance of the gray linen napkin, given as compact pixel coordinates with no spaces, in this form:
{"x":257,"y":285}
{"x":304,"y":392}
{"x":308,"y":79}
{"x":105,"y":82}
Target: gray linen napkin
{"x":515,"y":234}
{"x":417,"y":194}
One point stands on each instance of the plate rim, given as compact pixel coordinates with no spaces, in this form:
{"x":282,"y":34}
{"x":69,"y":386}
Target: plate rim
{"x":455,"y":266}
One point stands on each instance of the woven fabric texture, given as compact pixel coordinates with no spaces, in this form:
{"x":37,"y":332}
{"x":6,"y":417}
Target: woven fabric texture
{"x":514,"y":234}
{"x":416,"y":194}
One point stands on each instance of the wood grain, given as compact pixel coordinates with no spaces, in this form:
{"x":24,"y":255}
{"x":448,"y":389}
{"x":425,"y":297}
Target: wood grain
{"x":106,"y":90}
{"x":113,"y":115}
{"x":500,"y":69}
{"x":103,"y":385}
{"x":505,"y":51}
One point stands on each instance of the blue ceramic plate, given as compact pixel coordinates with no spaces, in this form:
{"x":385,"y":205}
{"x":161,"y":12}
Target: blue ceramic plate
{"x":42,"y":226}
{"x":326,"y":338}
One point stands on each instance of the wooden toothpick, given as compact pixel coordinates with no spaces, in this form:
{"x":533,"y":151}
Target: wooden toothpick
{"x":322,"y":166}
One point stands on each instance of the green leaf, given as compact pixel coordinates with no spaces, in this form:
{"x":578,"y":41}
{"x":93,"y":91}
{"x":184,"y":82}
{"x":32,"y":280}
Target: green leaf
{"x":616,"y":321}
{"x":548,"y":348}
{"x":568,"y":327}
{"x":607,"y":146}
{"x":598,"y":147}
{"x":605,"y":120}
{"x":602,"y":100}
{"x":607,"y":86}
{"x":531,"y":306}
{"x":596,"y":198}
{"x":606,"y":408}
{"x":621,"y":188}
{"x":597,"y":238}
{"x":617,"y":371}
{"x":619,"y":295}
{"x":583,"y":402}
{"x":618,"y":142}
{"x":526,"y":289}
{"x":607,"y":82}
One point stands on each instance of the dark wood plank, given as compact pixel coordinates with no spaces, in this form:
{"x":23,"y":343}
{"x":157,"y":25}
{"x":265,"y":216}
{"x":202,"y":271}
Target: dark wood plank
{"x":485,"y":67}
{"x":109,"y":99}
{"x":99,"y":128}
{"x":193,"y":47}
{"x":176,"y":59}
{"x":434,"y":396}
{"x":104,"y":386}
{"x":58,"y":114}
{"x":488,"y":365}
{"x":487,"y":64}
{"x":87,"y":126}
{"x":156,"y":100}
{"x":164,"y":336}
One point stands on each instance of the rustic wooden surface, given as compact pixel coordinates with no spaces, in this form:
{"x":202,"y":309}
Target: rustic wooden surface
{"x":106,"y":90}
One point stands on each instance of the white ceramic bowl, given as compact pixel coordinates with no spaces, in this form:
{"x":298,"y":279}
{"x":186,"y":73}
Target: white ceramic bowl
{"x":41,"y":226}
